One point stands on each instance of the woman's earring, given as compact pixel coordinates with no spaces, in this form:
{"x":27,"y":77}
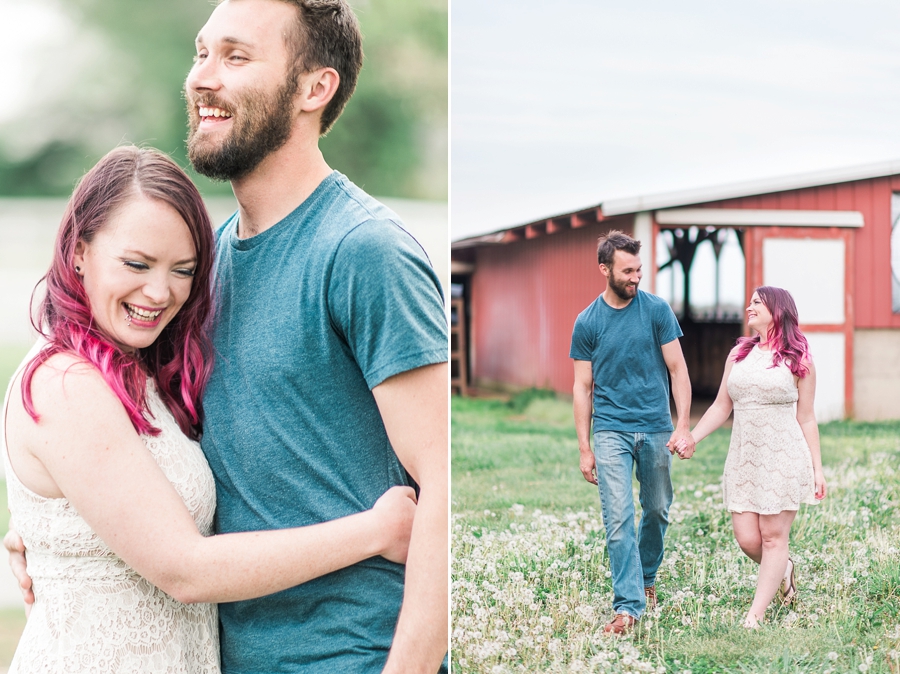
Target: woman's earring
{"x":78,"y":269}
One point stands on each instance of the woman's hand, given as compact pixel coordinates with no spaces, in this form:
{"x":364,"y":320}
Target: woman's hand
{"x":395,"y":511}
{"x":16,"y":548}
{"x":680,"y":448}
{"x":821,"y":489}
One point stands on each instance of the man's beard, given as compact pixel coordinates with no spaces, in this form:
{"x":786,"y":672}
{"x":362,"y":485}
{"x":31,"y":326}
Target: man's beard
{"x":262,"y":125}
{"x":622,"y":290}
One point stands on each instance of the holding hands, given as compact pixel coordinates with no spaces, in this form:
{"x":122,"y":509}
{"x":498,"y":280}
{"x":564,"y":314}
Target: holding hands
{"x":682,"y":443}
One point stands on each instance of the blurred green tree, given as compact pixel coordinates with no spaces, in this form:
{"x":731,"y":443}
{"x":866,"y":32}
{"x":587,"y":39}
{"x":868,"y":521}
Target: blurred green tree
{"x":119,"y":78}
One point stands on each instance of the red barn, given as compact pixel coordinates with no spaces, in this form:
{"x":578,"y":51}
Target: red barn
{"x":828,"y":237}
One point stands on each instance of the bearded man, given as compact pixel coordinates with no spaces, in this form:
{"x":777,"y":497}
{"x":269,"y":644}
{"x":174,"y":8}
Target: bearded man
{"x":624,"y":344}
{"x":332,"y":377}
{"x":330,"y":382}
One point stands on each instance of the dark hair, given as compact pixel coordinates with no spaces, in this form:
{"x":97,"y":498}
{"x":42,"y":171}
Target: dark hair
{"x":612,"y":241}
{"x":787,"y":342}
{"x":327,"y":35}
{"x":180,"y":360}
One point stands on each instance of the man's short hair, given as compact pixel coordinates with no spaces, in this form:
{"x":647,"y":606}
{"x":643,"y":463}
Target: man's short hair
{"x":327,"y":35}
{"x":612,"y":241}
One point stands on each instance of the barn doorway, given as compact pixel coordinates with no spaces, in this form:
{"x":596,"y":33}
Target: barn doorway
{"x":701,"y":273}
{"x":707,"y":273}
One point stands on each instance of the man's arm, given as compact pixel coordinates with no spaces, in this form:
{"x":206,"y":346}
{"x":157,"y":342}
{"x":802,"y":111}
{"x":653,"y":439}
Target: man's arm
{"x":681,"y":392}
{"x":582,"y":394}
{"x":414,"y":407}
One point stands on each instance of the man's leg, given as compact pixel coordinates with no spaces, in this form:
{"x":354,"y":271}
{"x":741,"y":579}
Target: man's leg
{"x":614,"y":456}
{"x":654,"y":463}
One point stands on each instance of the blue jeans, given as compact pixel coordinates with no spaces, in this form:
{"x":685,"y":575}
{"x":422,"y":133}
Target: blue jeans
{"x":633,"y":560}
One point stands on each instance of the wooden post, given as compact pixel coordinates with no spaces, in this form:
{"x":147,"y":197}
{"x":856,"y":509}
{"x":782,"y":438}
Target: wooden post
{"x":458,"y":352}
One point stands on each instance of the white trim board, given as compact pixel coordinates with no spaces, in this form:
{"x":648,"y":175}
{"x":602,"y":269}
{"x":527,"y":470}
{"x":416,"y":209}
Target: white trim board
{"x":748,"y":217}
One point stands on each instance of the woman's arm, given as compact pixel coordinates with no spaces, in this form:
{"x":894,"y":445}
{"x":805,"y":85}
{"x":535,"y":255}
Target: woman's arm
{"x":89,"y":449}
{"x":720,"y":410}
{"x":806,"y":417}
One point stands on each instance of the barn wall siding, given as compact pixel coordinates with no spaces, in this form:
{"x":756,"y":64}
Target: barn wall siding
{"x":525,"y":298}
{"x":872,"y":258}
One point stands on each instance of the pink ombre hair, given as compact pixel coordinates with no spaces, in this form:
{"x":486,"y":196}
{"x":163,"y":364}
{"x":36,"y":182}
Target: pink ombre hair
{"x":180,"y":360}
{"x":787,"y":342}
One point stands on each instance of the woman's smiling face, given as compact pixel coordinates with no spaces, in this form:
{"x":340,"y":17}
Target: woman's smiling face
{"x":137,"y":271}
{"x":759,"y":318}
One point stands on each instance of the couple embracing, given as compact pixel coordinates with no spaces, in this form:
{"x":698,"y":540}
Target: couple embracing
{"x":625,"y":347}
{"x":235,"y":417}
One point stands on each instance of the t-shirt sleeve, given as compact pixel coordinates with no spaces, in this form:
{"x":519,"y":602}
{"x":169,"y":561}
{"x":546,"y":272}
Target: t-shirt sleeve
{"x":667,"y":328}
{"x":582,"y":347}
{"x":385,"y":301}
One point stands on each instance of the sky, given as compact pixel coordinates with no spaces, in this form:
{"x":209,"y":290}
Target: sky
{"x":558,"y":106}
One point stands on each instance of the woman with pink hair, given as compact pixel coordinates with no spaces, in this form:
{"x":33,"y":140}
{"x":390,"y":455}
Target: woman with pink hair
{"x":774,"y":463}
{"x":108,"y":487}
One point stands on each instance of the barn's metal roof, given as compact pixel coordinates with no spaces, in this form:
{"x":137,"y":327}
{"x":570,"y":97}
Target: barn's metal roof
{"x":653,"y":202}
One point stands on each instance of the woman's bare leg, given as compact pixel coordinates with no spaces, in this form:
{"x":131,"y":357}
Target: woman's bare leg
{"x":774,"y":532}
{"x":746,"y":532}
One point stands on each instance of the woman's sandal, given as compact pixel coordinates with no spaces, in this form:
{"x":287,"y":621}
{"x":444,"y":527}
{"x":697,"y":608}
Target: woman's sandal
{"x":787,"y":595}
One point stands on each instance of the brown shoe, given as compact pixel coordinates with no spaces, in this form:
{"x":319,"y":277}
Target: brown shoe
{"x":650,"y":591}
{"x":619,"y":625}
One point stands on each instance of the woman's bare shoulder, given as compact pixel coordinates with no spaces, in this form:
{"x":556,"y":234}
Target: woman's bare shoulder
{"x":67,"y":382}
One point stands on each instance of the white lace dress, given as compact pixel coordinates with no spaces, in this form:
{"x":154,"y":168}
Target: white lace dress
{"x":769,"y":467}
{"x":94,"y":613}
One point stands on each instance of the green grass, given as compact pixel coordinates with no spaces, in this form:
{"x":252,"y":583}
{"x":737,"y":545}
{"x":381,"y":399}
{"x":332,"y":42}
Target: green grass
{"x":530,"y":591}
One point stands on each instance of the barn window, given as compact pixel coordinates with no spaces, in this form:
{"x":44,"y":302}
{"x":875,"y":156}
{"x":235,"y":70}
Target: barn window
{"x":895,"y":251}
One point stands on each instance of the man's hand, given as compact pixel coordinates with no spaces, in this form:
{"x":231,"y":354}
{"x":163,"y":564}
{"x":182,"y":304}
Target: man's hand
{"x":682,"y":443}
{"x":588,"y":467}
{"x":16,"y":547}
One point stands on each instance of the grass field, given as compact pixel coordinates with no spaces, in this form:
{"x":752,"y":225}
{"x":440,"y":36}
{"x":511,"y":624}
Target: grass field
{"x":530,"y":586}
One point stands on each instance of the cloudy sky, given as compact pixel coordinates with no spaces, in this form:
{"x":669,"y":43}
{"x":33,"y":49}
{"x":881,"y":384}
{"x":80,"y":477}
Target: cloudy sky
{"x":555,"y":106}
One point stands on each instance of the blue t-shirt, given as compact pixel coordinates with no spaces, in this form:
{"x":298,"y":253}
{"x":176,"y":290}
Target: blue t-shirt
{"x":311,"y":315}
{"x":631,"y":382}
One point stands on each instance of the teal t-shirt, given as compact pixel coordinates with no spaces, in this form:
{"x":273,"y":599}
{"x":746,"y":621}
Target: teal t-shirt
{"x":311,"y":315}
{"x":631,"y":381}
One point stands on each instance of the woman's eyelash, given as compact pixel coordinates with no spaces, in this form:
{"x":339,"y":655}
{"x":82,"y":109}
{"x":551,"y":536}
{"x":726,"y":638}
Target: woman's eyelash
{"x":140,"y":266}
